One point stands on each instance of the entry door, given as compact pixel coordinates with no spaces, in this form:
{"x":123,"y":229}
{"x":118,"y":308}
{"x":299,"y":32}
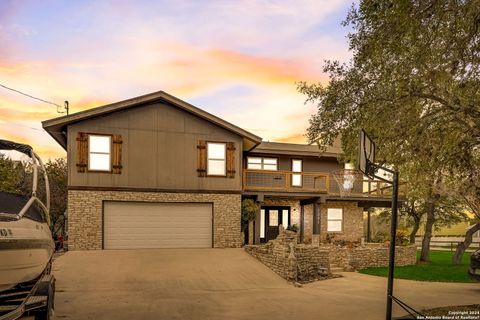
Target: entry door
{"x":275,"y":216}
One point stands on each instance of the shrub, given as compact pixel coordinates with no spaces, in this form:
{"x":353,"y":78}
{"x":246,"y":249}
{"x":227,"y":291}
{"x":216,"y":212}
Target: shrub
{"x":402,"y":238}
{"x":249,"y":212}
{"x":293,"y":228}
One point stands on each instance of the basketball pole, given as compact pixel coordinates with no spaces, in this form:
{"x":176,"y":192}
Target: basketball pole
{"x":393,"y":236}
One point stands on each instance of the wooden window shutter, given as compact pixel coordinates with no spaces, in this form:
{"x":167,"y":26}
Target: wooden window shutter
{"x":82,"y":151}
{"x":231,"y":159}
{"x":117,"y":154}
{"x":202,"y":158}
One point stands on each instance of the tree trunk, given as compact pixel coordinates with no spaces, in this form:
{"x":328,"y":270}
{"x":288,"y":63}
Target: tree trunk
{"x":424,"y":255}
{"x":416,"y":226}
{"x":462,"y":246}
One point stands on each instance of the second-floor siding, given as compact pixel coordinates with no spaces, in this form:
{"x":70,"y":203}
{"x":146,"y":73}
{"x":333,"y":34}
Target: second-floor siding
{"x":159,"y":150}
{"x":284,"y":167}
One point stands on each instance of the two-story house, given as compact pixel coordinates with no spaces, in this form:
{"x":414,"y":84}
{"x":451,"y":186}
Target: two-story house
{"x":156,"y":172}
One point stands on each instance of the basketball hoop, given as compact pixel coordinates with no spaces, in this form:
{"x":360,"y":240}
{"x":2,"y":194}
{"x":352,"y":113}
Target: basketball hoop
{"x":346,"y":179}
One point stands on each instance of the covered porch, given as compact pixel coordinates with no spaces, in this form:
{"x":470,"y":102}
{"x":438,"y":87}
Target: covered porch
{"x":317,"y":218}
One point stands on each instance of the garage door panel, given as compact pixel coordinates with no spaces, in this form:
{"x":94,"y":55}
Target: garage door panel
{"x":157,"y":225}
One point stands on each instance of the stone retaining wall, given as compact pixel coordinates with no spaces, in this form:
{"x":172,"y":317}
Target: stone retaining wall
{"x":369,"y":255}
{"x":292,"y":261}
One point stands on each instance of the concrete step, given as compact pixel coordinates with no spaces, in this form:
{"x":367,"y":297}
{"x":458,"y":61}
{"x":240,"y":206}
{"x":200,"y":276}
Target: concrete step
{"x":336,"y":269}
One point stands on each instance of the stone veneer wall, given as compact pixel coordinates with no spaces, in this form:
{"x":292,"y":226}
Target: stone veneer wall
{"x":292,"y":261}
{"x":294,"y":209}
{"x":378,"y":255}
{"x":369,"y":255}
{"x":85,"y":215}
{"x":352,"y":220}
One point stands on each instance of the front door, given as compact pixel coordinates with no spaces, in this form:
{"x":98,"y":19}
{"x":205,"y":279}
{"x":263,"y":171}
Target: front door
{"x":272,"y":218}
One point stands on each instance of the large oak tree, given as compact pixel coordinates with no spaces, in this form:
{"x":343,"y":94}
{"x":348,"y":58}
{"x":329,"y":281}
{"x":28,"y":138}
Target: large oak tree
{"x":413,"y":84}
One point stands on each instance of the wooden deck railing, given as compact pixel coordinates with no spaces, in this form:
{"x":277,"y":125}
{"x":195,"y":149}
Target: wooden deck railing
{"x":311,"y":182}
{"x":261,"y":180}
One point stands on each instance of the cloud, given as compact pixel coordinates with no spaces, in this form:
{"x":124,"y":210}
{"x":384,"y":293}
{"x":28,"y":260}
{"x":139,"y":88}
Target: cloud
{"x":93,"y":53}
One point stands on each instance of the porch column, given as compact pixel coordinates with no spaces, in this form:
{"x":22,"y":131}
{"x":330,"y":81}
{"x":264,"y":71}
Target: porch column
{"x":316,"y":218}
{"x":256,"y":238}
{"x":302,"y":222}
{"x":251,"y":232}
{"x":369,"y":212}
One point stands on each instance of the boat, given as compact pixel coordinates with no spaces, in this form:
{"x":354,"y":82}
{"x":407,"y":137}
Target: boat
{"x":26,"y":244}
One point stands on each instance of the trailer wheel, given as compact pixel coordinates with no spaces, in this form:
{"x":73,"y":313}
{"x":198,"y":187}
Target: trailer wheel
{"x":47,"y":313}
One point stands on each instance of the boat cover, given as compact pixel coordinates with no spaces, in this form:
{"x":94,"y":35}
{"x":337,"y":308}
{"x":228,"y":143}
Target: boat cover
{"x":10,"y":145}
{"x":13,"y":203}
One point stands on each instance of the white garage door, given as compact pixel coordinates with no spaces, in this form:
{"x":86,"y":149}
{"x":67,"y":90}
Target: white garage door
{"x":134,"y":225}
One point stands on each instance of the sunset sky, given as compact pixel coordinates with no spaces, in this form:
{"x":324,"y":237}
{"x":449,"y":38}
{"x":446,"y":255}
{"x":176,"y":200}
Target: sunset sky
{"x":236,"y":59}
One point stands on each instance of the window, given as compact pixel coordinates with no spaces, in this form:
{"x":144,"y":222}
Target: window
{"x":335,"y":219}
{"x":273,"y":218}
{"x":296,"y":167}
{"x":262,"y":223}
{"x":216,"y":155}
{"x":285,"y":215}
{"x":258,"y":163}
{"x":99,"y":149}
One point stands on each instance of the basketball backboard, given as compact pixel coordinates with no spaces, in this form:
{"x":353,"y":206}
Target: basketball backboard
{"x":366,"y":154}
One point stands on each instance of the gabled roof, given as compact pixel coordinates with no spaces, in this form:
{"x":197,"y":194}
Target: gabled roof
{"x":57,"y":127}
{"x":297,"y":149}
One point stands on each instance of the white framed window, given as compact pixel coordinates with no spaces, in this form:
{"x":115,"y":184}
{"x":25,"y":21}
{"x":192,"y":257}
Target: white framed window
{"x":259,"y":163}
{"x":334,"y":219}
{"x":99,"y":152}
{"x":285,"y":221}
{"x":273,"y":218}
{"x":297,"y":167}
{"x":262,"y":223}
{"x":216,"y":155}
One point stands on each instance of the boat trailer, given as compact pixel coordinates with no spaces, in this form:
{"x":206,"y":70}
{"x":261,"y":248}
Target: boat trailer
{"x":30,"y":300}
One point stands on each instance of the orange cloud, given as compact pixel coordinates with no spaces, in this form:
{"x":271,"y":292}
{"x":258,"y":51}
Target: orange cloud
{"x":293,"y":138}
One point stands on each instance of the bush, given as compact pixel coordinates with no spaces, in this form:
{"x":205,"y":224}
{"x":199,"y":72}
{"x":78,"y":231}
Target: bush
{"x":293,"y":228}
{"x":249,"y":212}
{"x":402,"y":238}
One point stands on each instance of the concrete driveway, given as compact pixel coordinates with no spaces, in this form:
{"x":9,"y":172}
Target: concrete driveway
{"x":223,"y":284}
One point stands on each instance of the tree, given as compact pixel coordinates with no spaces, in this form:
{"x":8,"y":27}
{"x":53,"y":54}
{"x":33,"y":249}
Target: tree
{"x":474,"y":207}
{"x":413,"y":84}
{"x":414,"y":211}
{"x":11,"y":175}
{"x":249,"y":212}
{"x":57,"y":177}
{"x":16,"y":177}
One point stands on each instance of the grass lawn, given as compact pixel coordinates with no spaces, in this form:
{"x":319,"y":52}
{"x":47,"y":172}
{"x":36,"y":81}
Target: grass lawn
{"x":440,"y":269}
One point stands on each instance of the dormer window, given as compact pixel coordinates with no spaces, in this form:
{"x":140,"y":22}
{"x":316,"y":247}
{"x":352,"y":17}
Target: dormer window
{"x":99,"y":152}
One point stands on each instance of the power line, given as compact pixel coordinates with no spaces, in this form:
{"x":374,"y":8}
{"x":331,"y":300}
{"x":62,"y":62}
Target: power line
{"x":66,"y":107}
{"x":27,"y":127}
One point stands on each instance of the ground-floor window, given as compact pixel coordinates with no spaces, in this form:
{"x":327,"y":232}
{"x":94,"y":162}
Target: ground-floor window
{"x":334,"y":219}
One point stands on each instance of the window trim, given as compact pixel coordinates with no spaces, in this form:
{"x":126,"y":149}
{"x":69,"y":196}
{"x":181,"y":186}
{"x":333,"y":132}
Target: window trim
{"x":224,"y":160}
{"x":262,"y":163}
{"x":341,"y":220}
{"x":110,"y":136}
{"x":296,"y":172}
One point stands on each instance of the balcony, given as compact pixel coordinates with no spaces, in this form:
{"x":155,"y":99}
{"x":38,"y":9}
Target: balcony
{"x":310,"y":182}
